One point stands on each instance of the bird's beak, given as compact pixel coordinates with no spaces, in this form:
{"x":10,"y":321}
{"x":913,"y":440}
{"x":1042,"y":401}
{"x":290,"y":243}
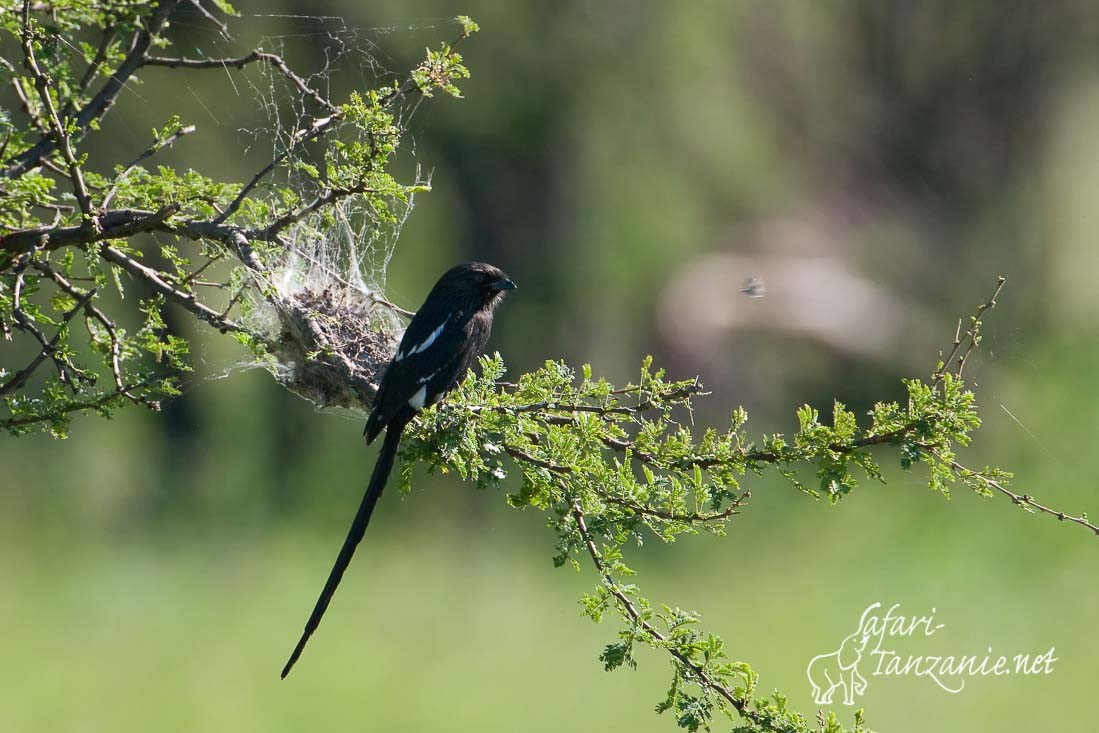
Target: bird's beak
{"x":503,"y":284}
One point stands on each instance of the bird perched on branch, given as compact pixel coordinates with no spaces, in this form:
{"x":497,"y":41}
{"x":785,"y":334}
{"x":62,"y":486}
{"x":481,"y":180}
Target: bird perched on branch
{"x":445,"y":337}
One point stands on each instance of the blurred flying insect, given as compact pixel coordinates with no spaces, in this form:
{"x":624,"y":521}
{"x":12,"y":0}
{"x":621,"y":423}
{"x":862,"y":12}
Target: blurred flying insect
{"x":753,"y":287}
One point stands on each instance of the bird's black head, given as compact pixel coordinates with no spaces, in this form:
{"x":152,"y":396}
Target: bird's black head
{"x":477,"y":282}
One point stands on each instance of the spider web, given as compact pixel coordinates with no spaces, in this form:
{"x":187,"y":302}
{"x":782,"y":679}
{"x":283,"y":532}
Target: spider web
{"x":331,"y":265}
{"x":348,"y":252}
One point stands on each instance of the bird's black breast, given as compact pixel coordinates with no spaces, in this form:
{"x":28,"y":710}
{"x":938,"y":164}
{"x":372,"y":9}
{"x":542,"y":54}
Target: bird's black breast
{"x":441,"y":343}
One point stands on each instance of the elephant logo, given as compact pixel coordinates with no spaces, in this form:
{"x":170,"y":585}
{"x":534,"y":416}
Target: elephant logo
{"x":840,"y":669}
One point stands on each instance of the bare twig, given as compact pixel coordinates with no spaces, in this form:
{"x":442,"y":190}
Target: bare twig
{"x":240,"y":62}
{"x":192,"y":277}
{"x":25,"y":104}
{"x":221,"y":26}
{"x":970,"y":336}
{"x":56,"y":208}
{"x":55,"y":168}
{"x":319,"y":127}
{"x":1024,"y":500}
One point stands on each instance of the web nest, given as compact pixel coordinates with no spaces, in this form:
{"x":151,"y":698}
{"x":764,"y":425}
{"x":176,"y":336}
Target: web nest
{"x":329,"y":329}
{"x":317,"y":303}
{"x":333,"y":354}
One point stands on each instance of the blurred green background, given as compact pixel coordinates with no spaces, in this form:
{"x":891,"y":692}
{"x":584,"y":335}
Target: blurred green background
{"x":876,"y":163}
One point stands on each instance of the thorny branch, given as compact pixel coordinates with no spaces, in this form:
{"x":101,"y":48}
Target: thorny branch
{"x":657,"y":639}
{"x":970,"y":337}
{"x":94,"y":314}
{"x":240,"y":62}
{"x":962,"y":346}
{"x":638,"y":509}
{"x":68,"y":372}
{"x":91,"y":71}
{"x":1026,"y":501}
{"x":561,"y":414}
{"x":98,"y":402}
{"x":60,"y":132}
{"x":159,"y":282}
{"x":105,"y":99}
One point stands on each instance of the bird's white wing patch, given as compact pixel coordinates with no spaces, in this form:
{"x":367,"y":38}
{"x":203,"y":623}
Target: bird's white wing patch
{"x":427,"y":342}
{"x":416,"y":401}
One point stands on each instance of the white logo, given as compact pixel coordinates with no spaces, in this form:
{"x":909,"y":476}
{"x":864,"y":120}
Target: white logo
{"x":866,"y":650}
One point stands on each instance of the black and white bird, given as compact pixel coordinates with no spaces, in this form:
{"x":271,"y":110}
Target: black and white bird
{"x":442,"y":341}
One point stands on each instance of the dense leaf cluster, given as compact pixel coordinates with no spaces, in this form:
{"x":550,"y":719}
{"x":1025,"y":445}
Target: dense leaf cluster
{"x":615,"y":466}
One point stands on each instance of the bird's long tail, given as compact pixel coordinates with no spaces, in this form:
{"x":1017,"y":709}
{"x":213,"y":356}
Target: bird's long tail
{"x":358,"y":528}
